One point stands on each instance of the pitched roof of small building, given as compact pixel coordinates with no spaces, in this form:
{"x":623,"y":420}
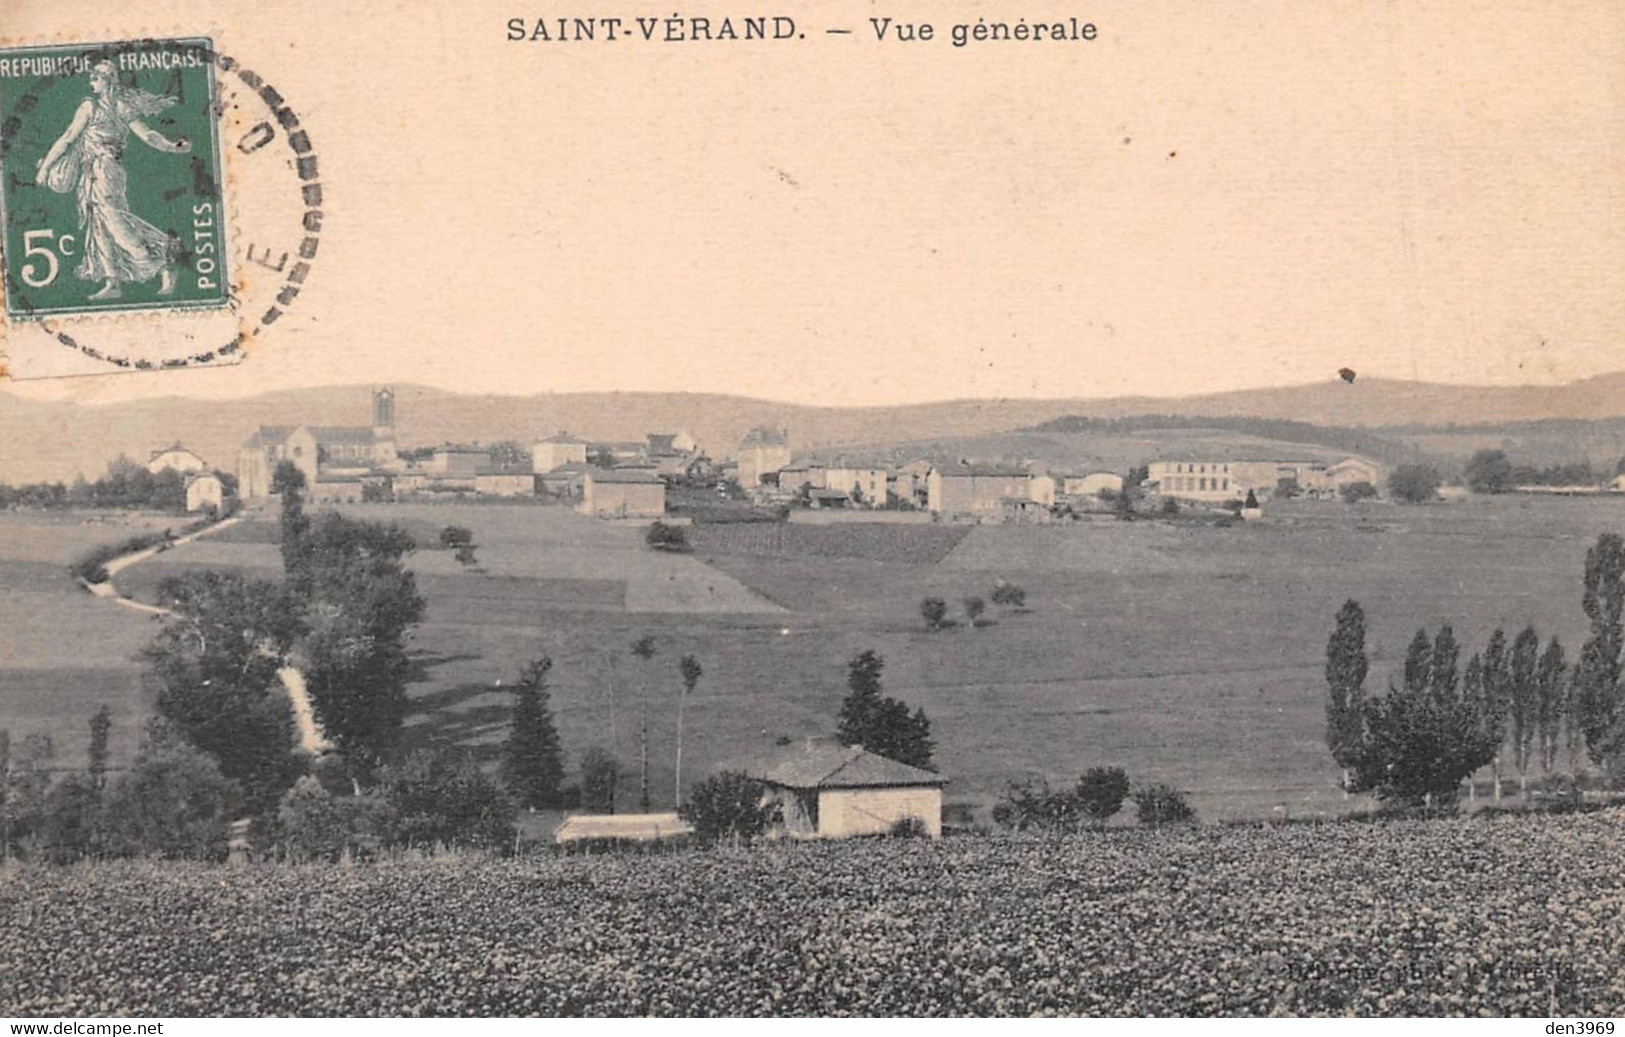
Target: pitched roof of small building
{"x":624,"y":475}
{"x":205,"y":473}
{"x":824,"y":766}
{"x":764,"y":437}
{"x":461,"y":448}
{"x":173,"y":448}
{"x":564,"y":438}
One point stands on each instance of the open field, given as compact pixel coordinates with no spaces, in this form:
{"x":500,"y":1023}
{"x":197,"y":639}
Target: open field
{"x":1183,"y":652}
{"x":62,"y":651}
{"x":1504,"y":916}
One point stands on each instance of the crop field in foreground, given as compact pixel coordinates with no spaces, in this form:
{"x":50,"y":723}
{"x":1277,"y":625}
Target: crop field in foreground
{"x":1520,"y":916}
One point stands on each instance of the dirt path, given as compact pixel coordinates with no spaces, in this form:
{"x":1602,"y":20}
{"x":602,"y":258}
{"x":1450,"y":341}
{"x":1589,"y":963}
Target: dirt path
{"x":311,"y":737}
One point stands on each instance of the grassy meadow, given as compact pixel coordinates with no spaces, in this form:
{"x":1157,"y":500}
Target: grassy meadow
{"x":1182,"y":651}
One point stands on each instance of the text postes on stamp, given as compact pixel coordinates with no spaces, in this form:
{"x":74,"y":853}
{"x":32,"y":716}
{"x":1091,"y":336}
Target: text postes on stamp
{"x":160,"y":202}
{"x":112,"y":188}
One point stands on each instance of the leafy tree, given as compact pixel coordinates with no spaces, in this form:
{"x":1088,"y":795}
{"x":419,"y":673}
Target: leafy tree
{"x":974,"y":607}
{"x":600,"y":774}
{"x":173,"y":802}
{"x":288,"y":483}
{"x":879,"y":723}
{"x":216,"y":669}
{"x":532,"y":760}
{"x":1032,"y":804}
{"x":1413,"y":483}
{"x":1489,"y":471}
{"x":435,"y":798}
{"x":362,"y":603}
{"x":101,"y":722}
{"x":934,"y":611}
{"x":1346,"y":668}
{"x":1551,"y":683}
{"x":510,"y":456}
{"x":314,"y":824}
{"x":72,"y":819}
{"x":730,"y":806}
{"x":1598,"y":692}
{"x":456,"y":536}
{"x":27,"y":781}
{"x":664,"y":537}
{"x":1424,"y":737}
{"x":1010,"y":595}
{"x":1355,"y":492}
{"x":644,"y":649}
{"x":465,"y":555}
{"x":691,"y":672}
{"x":1523,"y":700}
{"x":1101,"y":791}
{"x":1158,"y":805}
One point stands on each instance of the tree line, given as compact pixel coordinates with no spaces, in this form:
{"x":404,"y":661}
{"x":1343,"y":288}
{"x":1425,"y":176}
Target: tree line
{"x":125,"y":485}
{"x":1515,"y":706}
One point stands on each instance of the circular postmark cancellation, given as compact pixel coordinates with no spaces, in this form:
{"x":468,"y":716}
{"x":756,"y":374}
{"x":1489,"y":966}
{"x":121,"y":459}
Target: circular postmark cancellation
{"x":160,"y":204}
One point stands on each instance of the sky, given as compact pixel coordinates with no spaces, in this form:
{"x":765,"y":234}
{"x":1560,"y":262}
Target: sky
{"x":1206,"y":197}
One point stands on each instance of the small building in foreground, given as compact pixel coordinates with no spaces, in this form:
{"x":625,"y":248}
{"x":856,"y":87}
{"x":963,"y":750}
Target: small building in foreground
{"x":205,"y":492}
{"x":639,"y":828}
{"x":832,"y":791}
{"x":623,"y":493}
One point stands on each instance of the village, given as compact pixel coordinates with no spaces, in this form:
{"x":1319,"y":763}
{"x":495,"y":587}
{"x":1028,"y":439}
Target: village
{"x":639,"y":480}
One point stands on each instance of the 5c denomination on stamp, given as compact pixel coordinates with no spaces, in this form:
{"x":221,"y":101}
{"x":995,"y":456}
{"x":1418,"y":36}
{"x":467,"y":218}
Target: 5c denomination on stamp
{"x":112,"y":186}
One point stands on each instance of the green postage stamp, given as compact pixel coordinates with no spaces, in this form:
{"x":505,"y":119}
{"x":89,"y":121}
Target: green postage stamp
{"x":112,"y":198}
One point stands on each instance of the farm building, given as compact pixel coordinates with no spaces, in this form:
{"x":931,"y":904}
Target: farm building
{"x":564,"y":481}
{"x":978,"y":491}
{"x":556,"y":451}
{"x":763,"y":450}
{"x":502,"y":482}
{"x":869,"y":480}
{"x":459,"y":460}
{"x":205,"y":491}
{"x":1091,"y":484}
{"x":820,"y":498}
{"x":1023,"y":510}
{"x":176,"y":457}
{"x":1205,"y":479}
{"x":623,"y":493}
{"x":832,"y":791}
{"x":642,"y":828}
{"x":802,"y":473}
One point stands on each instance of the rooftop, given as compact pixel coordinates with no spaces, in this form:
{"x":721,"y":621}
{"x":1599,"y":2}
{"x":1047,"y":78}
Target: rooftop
{"x":983,"y":470}
{"x":641,"y":827}
{"x":624,"y":475}
{"x":827,"y":766}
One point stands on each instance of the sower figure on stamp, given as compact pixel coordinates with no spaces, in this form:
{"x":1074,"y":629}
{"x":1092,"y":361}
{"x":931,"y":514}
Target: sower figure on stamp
{"x":119,"y":247}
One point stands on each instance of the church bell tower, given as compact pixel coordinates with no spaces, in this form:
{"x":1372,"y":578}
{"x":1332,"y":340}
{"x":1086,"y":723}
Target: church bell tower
{"x":383,"y":413}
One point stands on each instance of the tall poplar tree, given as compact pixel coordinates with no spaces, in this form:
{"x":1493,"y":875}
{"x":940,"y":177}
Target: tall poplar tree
{"x":1346,"y":667}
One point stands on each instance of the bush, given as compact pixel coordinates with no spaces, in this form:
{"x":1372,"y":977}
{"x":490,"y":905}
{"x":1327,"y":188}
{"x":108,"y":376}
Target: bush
{"x":730,"y":805}
{"x":174,"y":803}
{"x":934,"y":611}
{"x":1101,"y":792}
{"x":1414,"y":483}
{"x":1162,"y":805}
{"x":456,"y":536}
{"x":909,"y":827}
{"x":314,"y":824}
{"x":1033,"y":804}
{"x":1009,"y":595}
{"x":435,"y":799}
{"x":1169,"y":506}
{"x":974,"y":607}
{"x":663,"y":537}
{"x":1355,"y":492}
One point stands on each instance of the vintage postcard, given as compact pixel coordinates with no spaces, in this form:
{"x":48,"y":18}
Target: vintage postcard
{"x":928,"y":509}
